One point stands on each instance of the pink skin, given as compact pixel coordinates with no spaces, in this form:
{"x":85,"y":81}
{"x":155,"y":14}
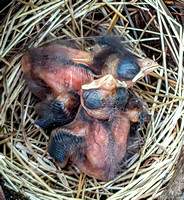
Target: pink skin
{"x":104,"y":155}
{"x":104,"y":147}
{"x":66,"y":80}
{"x":46,"y":64}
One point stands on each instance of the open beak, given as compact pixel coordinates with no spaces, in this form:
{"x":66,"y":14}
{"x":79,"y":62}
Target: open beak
{"x":147,"y":65}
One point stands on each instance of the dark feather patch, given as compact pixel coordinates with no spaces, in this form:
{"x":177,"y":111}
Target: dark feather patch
{"x":121,"y":98}
{"x":113,"y":45}
{"x":40,"y":58}
{"x":134,"y":103}
{"x":61,"y":141}
{"x":144,"y":117}
{"x":55,"y":115}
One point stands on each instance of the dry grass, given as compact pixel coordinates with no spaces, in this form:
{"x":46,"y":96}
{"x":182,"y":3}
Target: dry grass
{"x":152,"y":29}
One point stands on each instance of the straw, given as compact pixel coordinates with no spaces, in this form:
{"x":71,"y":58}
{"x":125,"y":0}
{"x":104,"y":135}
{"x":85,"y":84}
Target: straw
{"x":153,"y":30}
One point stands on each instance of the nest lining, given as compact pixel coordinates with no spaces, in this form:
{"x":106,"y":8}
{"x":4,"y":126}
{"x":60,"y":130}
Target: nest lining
{"x":25,"y":165}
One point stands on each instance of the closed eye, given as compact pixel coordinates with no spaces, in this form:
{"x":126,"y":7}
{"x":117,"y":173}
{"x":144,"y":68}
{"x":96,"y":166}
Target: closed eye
{"x":127,"y":69}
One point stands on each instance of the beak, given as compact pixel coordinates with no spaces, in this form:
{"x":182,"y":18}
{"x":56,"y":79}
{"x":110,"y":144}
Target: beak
{"x":107,"y":82}
{"x":97,"y":83}
{"x":147,"y":65}
{"x":121,"y":84}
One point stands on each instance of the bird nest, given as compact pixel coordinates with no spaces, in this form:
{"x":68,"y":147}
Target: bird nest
{"x":154,"y":29}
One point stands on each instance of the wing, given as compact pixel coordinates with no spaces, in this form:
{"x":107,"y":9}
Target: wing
{"x":70,"y":140}
{"x":56,"y":113}
{"x":63,"y":143}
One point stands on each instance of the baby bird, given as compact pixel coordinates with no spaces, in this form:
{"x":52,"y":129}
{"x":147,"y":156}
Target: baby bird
{"x":111,"y":56}
{"x":96,"y":140}
{"x":56,"y":73}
